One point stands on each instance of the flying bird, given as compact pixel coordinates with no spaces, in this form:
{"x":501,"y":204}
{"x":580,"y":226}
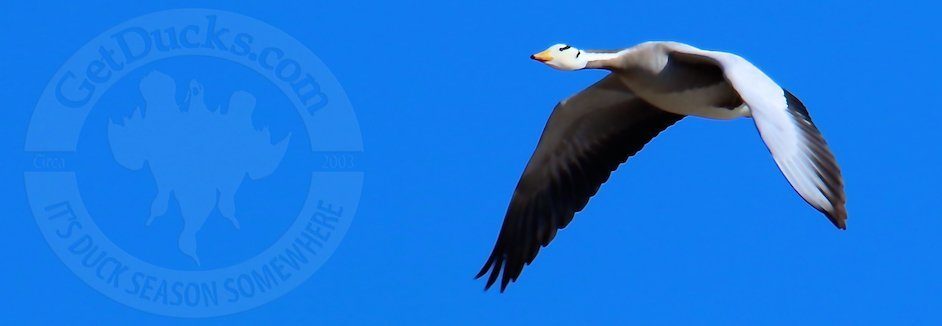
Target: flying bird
{"x":650,"y":87}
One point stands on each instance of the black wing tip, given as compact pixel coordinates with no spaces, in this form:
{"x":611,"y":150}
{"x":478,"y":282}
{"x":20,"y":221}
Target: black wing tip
{"x":492,"y":279}
{"x":796,"y":105}
{"x":840,"y":224}
{"x":482,"y":272}
{"x":496,"y":267}
{"x":486,"y":268}
{"x":492,"y":266}
{"x":838,"y":217}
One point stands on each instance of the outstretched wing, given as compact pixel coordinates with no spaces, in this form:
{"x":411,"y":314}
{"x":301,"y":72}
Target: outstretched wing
{"x":786,"y":128}
{"x":587,"y":136}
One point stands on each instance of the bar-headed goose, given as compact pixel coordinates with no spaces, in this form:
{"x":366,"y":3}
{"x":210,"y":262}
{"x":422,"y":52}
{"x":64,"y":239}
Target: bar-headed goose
{"x":651,"y":86}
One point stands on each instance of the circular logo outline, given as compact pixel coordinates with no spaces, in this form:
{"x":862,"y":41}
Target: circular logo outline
{"x":56,"y":201}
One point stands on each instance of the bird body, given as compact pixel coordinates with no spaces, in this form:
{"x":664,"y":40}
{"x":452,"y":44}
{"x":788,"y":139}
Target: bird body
{"x":661,"y":77}
{"x":717,"y":101}
{"x":651,"y":86}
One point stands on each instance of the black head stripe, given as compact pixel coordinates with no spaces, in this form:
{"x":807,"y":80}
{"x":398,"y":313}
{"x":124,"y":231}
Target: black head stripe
{"x":578,"y":53}
{"x":564,"y":48}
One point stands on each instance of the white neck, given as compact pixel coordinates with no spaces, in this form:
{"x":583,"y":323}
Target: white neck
{"x":600,"y":60}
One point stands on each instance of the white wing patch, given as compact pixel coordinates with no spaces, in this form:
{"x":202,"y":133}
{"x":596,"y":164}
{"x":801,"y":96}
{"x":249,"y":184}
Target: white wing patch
{"x":795,"y":143}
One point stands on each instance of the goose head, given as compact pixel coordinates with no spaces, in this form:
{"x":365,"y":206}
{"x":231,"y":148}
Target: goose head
{"x":562,"y":57}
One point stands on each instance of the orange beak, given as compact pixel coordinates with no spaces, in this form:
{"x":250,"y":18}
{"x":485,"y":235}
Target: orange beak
{"x":542,"y":56}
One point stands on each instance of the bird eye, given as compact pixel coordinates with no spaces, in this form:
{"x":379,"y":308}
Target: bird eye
{"x":564,"y":48}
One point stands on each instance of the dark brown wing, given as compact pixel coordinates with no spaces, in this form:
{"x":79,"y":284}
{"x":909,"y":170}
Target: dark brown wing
{"x":586,"y":138}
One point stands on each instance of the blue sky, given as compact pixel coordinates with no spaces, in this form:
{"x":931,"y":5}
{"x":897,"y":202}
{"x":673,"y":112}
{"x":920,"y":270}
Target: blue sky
{"x":699,"y":228}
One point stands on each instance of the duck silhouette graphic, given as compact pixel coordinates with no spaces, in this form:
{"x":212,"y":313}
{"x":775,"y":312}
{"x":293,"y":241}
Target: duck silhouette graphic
{"x":197,"y":155}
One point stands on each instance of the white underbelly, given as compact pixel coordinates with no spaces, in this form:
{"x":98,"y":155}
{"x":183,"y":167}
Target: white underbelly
{"x":696,"y":102}
{"x":684,"y":106}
